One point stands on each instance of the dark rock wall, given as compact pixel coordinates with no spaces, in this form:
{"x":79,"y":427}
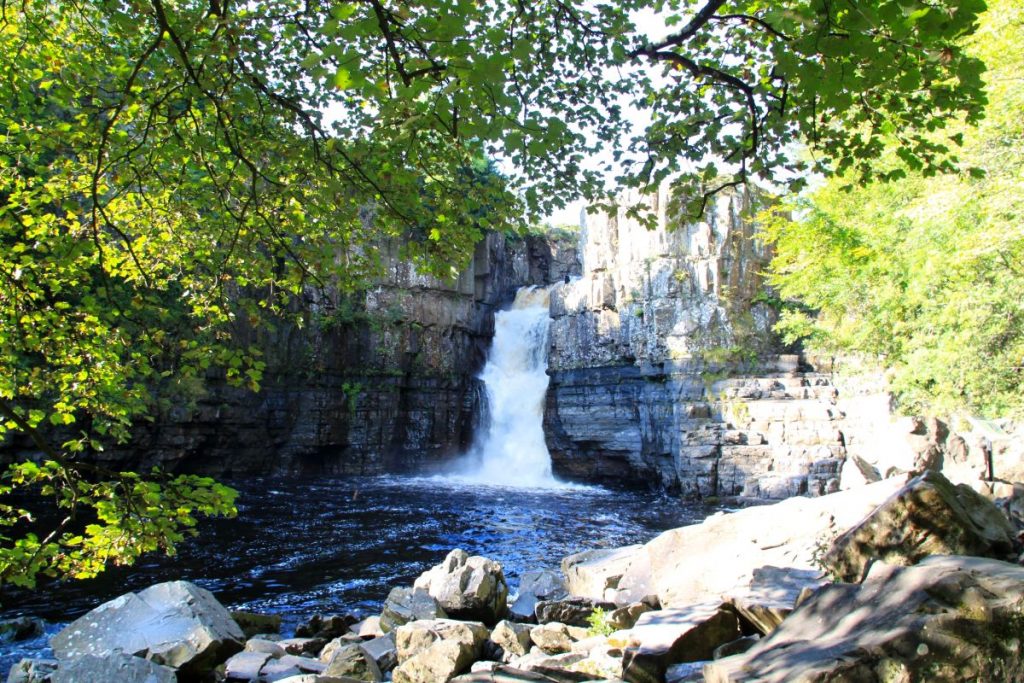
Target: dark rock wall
{"x":384,"y":381}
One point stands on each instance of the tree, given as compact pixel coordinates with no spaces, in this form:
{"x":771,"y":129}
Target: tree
{"x":172,"y":171}
{"x":924,"y":274}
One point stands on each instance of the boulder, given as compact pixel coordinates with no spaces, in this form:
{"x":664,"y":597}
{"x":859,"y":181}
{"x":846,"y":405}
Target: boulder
{"x":408,"y":604}
{"x":177,"y":624}
{"x":32,"y":671}
{"x":290,"y":665}
{"x":471,"y":588}
{"x":21,"y":628}
{"x":772,"y":594}
{"x":417,"y":636}
{"x":270,"y":647}
{"x":332,"y":648}
{"x":511,"y":637}
{"x":112,"y":666}
{"x":928,"y":516}
{"x":595,"y":573}
{"x":245,"y":666}
{"x":384,"y":651}
{"x":572,"y":611}
{"x":328,"y":627}
{"x":368,"y":628}
{"x":674,"y":636}
{"x":253,"y":624}
{"x":554,"y":638}
{"x":302,"y":646}
{"x":438,"y":663}
{"x":625,"y":617}
{"x":533,"y":587}
{"x":735,"y":647}
{"x":703,"y":562}
{"x":949,"y":618}
{"x":353,"y":661}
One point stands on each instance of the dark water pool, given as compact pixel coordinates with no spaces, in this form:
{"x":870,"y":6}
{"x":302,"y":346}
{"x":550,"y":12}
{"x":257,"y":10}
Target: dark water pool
{"x":299,"y":547}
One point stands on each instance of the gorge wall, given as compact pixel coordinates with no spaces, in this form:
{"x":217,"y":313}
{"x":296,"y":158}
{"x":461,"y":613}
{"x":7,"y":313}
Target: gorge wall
{"x":381,"y":381}
{"x":665,"y":371}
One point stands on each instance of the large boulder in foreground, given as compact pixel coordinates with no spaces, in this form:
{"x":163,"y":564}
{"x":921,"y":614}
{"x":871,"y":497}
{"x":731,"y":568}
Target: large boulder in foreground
{"x":177,"y":624}
{"x":704,"y":562}
{"x":471,"y":588}
{"x":949,"y":618}
{"x":928,"y":516}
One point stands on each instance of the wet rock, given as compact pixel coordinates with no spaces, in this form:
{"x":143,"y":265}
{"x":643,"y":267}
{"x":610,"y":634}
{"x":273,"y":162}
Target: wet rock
{"x":32,"y":671}
{"x":384,"y":651}
{"x":593,"y":573}
{"x":253,"y":624}
{"x":353,"y":661}
{"x":772,"y":594}
{"x":417,"y":636}
{"x":471,"y":588}
{"x":572,"y":611}
{"x":177,"y":624}
{"x":409,"y":604}
{"x":928,"y":516}
{"x":112,"y":666}
{"x":533,"y":587}
{"x":511,"y":637}
{"x":245,"y":666}
{"x":21,"y":628}
{"x":674,"y":636}
{"x":949,"y":618}
{"x":703,"y":562}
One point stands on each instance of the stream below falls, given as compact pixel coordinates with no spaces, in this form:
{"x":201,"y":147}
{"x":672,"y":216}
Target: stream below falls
{"x":299,"y":547}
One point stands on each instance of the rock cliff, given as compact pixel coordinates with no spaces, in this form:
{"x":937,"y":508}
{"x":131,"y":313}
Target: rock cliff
{"x":665,"y":370}
{"x":382,"y":380}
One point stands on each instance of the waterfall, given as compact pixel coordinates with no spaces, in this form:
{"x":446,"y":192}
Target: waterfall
{"x":512,"y":451}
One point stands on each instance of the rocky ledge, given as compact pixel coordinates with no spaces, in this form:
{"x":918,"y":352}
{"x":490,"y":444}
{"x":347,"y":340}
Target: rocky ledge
{"x":901,"y":580}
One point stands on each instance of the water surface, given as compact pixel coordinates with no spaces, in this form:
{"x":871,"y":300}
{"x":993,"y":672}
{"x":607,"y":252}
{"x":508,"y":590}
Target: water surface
{"x":299,"y":547}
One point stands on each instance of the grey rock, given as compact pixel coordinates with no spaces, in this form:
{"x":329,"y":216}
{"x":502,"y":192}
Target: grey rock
{"x":32,"y":671}
{"x":440,"y":662}
{"x":368,"y":628}
{"x":572,"y":611}
{"x":591,"y":574}
{"x":384,"y":651}
{"x":290,"y":665}
{"x":675,"y":636}
{"x":503,"y":674}
{"x":269,"y":647}
{"x":302,"y":646}
{"x":471,"y":588}
{"x":533,"y":587}
{"x":417,"y":636}
{"x":177,"y":624}
{"x":21,"y":628}
{"x":949,"y":618}
{"x":928,"y":516}
{"x":511,"y":637}
{"x":353,"y":661}
{"x":409,"y":604}
{"x":553,"y":638}
{"x":112,"y":666}
{"x":245,"y":666}
{"x":735,"y":647}
{"x":772,"y":594}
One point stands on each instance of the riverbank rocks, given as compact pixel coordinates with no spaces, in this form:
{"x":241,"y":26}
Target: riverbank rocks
{"x":772,"y":594}
{"x":572,"y":611}
{"x":928,"y":516}
{"x":949,"y":618}
{"x":534,"y":587}
{"x":512,"y":638}
{"x":177,"y":624}
{"x":554,"y":638}
{"x":32,"y":671}
{"x":703,"y":562}
{"x":472,"y":588}
{"x":675,"y":636}
{"x":253,"y":624}
{"x":433,"y":651}
{"x":408,"y":604}
{"x":353,"y":661}
{"x":21,"y":628}
{"x":595,"y":574}
{"x":112,"y":666}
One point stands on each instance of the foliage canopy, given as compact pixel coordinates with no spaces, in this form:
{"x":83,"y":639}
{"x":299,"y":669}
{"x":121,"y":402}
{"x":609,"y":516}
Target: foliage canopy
{"x":172,"y":171}
{"x":925,"y":274}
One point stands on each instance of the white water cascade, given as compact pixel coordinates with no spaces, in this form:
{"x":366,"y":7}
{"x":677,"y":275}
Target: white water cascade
{"x":512,"y":451}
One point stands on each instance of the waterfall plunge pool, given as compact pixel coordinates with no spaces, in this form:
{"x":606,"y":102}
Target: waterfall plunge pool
{"x":299,"y":547}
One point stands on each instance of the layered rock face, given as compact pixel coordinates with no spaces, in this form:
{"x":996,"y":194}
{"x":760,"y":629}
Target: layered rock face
{"x":642,"y":346}
{"x":380,"y":381}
